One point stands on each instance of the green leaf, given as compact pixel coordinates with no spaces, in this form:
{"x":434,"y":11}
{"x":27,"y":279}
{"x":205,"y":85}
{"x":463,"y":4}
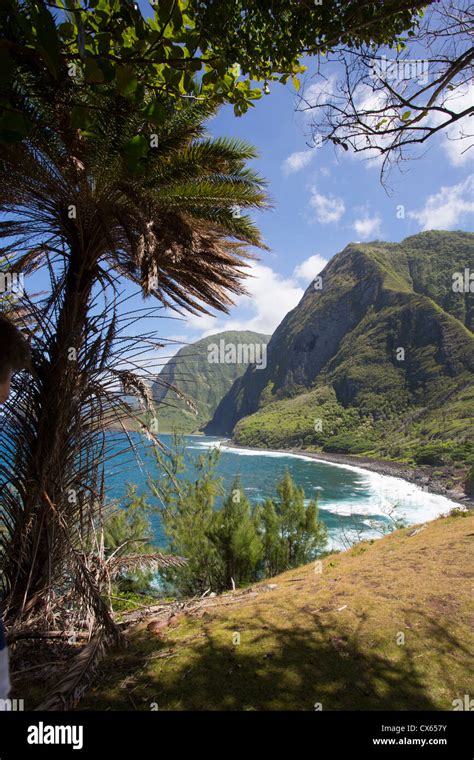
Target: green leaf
{"x":177,"y":17}
{"x":66,"y":29}
{"x":210,"y":77}
{"x":89,"y":133}
{"x":163,"y":10}
{"x":406,"y":115}
{"x":48,"y":42}
{"x":172,"y":77}
{"x":104,"y":40}
{"x":234,"y":70}
{"x":80,"y":118}
{"x":93,"y":72}
{"x":137,"y":147}
{"x":126,"y":80}
{"x":156,"y":112}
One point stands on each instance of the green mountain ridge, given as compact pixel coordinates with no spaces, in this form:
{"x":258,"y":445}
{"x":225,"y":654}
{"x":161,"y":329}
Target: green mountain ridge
{"x":380,"y":360}
{"x":200,"y":384}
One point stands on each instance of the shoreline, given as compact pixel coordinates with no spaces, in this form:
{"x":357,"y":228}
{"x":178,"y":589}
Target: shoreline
{"x":421,"y":476}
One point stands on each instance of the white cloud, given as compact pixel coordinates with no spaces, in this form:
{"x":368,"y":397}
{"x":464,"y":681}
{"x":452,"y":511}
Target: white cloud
{"x":205,"y":323}
{"x":297,"y":161}
{"x":317,"y":94}
{"x":328,"y":208}
{"x":445,"y":209}
{"x":371,"y":104}
{"x":309,"y":268}
{"x":458,"y":140}
{"x":270,"y":297}
{"x":455,"y":140}
{"x":367,"y":226}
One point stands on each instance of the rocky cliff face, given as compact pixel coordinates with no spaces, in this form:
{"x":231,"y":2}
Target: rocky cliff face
{"x":383,"y":332}
{"x":202,"y":377}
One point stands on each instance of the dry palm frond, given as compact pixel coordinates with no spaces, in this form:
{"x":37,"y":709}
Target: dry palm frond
{"x":134,"y":384}
{"x":121,"y":565}
{"x":70,"y":688}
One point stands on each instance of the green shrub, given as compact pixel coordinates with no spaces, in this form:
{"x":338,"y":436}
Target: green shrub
{"x":434,"y":454}
{"x":345,"y":443}
{"x":458,"y":512}
{"x":469,"y":482}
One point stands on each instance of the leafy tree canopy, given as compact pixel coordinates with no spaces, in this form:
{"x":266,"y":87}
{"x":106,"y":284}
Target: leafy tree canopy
{"x":219,"y":49}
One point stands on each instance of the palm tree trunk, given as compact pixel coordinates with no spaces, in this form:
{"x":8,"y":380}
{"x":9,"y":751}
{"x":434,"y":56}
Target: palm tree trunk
{"x":37,"y":548}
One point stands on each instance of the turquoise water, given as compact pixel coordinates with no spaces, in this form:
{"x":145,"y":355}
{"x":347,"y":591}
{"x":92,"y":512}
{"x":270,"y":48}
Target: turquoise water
{"x":354,"y":503}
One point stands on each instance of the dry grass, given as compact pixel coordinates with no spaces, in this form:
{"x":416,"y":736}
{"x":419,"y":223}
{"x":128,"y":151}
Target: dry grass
{"x":327,"y":637}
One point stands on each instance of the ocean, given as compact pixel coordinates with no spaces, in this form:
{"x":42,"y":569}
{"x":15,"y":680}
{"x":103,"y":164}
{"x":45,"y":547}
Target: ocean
{"x":354,"y":503}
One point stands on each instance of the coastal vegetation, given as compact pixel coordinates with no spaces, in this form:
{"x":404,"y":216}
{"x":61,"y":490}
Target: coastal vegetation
{"x":108,"y":178}
{"x":159,"y":228}
{"x":233,"y":543}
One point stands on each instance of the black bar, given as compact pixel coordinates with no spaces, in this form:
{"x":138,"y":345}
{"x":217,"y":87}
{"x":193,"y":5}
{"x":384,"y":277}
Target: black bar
{"x":137,"y":735}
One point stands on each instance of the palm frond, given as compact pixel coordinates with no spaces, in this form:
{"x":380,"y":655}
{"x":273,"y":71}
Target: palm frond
{"x":67,"y":692}
{"x":139,"y":562}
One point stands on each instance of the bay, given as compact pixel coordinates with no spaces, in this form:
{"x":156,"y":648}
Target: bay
{"x":354,"y":503}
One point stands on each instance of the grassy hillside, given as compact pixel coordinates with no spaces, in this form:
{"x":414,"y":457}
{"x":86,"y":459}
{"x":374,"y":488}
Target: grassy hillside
{"x":380,"y":361}
{"x":203,"y":382}
{"x":385,"y":625}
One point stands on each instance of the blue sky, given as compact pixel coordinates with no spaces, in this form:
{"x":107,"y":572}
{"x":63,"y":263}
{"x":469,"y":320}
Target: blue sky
{"x":325,"y":198}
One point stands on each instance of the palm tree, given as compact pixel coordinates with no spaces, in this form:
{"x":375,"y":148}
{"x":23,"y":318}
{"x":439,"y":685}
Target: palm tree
{"x":124,"y":199}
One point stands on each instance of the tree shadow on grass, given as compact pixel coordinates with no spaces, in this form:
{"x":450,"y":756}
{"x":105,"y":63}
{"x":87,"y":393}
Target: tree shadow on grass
{"x":275,"y":667}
